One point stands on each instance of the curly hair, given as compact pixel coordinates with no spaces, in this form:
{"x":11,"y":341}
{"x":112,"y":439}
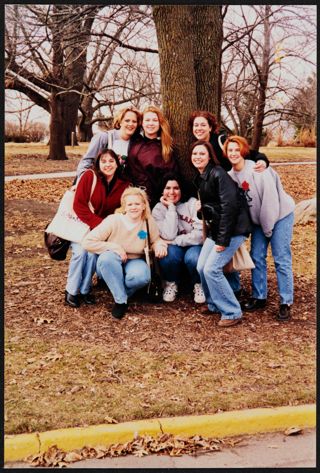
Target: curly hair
{"x":165,"y":132}
{"x":211,"y":119}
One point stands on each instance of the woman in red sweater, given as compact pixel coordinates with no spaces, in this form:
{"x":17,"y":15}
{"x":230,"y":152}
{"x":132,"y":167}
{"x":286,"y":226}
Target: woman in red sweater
{"x":104,"y":200}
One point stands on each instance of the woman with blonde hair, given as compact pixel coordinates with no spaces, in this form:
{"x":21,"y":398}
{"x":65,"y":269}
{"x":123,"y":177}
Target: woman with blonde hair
{"x":126,"y":130}
{"x":153,"y":155}
{"x":120,"y":242}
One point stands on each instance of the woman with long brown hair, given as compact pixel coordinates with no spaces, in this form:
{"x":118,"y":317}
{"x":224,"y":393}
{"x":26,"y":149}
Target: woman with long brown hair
{"x":153,"y":155}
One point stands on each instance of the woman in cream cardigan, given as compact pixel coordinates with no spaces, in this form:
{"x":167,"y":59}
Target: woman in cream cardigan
{"x":120,"y":242}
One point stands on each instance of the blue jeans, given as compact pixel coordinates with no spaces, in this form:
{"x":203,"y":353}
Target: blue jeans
{"x":81,"y":269}
{"x":123,"y":279}
{"x":218,"y":291}
{"x":172,"y":264}
{"x":281,"y":252}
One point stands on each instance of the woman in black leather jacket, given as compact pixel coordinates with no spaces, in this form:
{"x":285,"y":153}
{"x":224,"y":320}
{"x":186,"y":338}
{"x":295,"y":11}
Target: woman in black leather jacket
{"x":228,"y":224}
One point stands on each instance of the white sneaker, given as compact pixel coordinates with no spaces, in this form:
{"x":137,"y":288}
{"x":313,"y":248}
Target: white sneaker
{"x":199,"y":296}
{"x":170,"y":291}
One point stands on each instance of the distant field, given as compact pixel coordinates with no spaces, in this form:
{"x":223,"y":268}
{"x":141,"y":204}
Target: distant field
{"x":276,"y":154}
{"x":12,"y":149}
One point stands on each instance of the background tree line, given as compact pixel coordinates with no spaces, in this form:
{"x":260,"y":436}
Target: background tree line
{"x":81,"y":62}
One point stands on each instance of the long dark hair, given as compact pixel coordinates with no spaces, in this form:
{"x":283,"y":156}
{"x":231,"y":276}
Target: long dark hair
{"x":209,"y":147}
{"x":96,"y":163}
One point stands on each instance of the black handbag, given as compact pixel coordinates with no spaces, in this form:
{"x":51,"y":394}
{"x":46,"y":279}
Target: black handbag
{"x":57,"y":247}
{"x":154,"y":288}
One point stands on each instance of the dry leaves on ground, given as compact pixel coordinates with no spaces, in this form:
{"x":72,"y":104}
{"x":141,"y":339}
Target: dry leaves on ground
{"x":164,"y":444}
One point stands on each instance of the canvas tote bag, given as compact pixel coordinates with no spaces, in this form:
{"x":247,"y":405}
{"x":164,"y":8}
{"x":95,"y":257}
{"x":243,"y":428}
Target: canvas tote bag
{"x":66,"y":224}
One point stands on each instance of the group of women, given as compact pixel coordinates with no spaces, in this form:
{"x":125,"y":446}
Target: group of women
{"x":141,"y":199}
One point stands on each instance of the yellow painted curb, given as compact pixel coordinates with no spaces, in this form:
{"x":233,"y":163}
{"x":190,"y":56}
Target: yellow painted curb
{"x":224,"y":424}
{"x":19,"y":446}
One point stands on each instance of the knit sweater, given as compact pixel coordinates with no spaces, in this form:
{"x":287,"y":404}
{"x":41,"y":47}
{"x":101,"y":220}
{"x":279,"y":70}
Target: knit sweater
{"x":179,"y":223}
{"x":113,"y":234}
{"x":267,"y":200}
{"x":103,"y":202}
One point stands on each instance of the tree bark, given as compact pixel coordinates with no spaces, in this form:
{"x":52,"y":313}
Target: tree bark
{"x":190,"y":72}
{"x":57,"y":124}
{"x":207,"y":45}
{"x":178,"y":83}
{"x":263,"y":74}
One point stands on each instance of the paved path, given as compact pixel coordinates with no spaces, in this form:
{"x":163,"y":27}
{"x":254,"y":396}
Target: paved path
{"x":51,"y":175}
{"x":55,"y":175}
{"x":274,"y":450}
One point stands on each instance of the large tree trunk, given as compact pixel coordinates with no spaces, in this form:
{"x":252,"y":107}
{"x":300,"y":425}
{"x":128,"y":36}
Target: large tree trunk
{"x":71,"y":104}
{"x":178,"y":83}
{"x":207,"y":44}
{"x":263,"y":83}
{"x":85,"y":122}
{"x":189,"y":43}
{"x":57,"y":122}
{"x":57,"y":128}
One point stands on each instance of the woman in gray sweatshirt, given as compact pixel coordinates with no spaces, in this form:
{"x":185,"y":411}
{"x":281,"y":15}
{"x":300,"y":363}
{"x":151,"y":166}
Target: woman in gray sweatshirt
{"x":271,"y":210}
{"x":180,"y":227}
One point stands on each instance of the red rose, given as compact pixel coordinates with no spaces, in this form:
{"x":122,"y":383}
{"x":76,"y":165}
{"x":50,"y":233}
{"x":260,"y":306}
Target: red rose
{"x":245,"y":186}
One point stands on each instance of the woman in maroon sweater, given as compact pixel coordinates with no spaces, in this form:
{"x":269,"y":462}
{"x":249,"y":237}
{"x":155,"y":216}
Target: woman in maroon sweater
{"x":104,"y":200}
{"x":152,"y":156}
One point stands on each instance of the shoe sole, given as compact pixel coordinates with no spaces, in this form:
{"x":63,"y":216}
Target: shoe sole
{"x":253,"y":310}
{"x":235,"y":322}
{"x":71,"y":305}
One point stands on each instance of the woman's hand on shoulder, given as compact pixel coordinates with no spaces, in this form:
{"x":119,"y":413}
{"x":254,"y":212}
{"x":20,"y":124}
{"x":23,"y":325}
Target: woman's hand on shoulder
{"x":260,"y":166}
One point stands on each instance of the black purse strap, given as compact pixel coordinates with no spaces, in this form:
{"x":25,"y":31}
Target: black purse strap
{"x":148,"y":244}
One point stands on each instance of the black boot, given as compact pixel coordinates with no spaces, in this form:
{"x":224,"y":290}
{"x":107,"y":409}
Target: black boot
{"x":241,"y":294}
{"x":72,"y":301}
{"x":118,"y":310}
{"x":253,"y":304}
{"x":88,"y":298}
{"x":284,"y":313}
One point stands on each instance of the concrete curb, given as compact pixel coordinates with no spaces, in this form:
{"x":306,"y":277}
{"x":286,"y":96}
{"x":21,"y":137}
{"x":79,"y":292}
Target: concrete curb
{"x":225,"y":424}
